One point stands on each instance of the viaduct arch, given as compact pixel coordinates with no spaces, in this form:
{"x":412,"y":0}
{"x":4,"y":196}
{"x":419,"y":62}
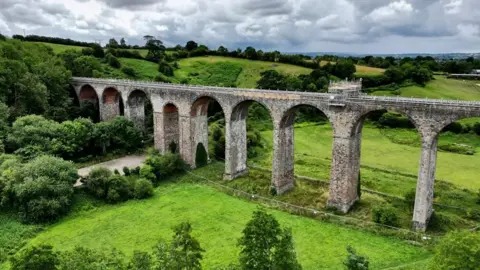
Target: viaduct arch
{"x":180,"y":117}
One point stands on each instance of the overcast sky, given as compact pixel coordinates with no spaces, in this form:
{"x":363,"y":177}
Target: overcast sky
{"x":356,"y":26}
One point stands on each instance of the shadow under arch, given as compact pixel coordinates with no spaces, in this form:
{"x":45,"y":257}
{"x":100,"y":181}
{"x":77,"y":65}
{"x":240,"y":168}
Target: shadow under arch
{"x":89,"y":103}
{"x":140,"y":110}
{"x":170,"y":129}
{"x":112,"y":104}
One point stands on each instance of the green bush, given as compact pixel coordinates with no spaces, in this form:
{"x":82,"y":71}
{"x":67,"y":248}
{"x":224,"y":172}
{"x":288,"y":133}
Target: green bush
{"x":459,"y":250}
{"x":141,"y":261}
{"x":112,"y":61}
{"x":165,"y":68}
{"x":143,"y":189}
{"x":409,"y":198}
{"x":97,"y":182}
{"x":384,"y":215}
{"x":457,"y":148}
{"x":355,"y":261}
{"x":165,"y":165}
{"x":126,"y":171}
{"x":35,"y":258}
{"x":119,"y":189}
{"x":162,"y":78}
{"x":440,"y":222}
{"x":40,"y":190}
{"x":86,"y":259}
{"x":147,"y":172}
{"x":395,"y":120}
{"x":129,"y":71}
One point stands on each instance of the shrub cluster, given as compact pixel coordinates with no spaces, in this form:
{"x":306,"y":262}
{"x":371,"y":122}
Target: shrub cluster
{"x":457,"y":148}
{"x":40,"y":190}
{"x":385,"y":215}
{"x":34,"y":135}
{"x":115,"y":188}
{"x":159,"y":167}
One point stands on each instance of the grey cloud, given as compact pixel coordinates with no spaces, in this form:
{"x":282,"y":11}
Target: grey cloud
{"x":130,"y":3}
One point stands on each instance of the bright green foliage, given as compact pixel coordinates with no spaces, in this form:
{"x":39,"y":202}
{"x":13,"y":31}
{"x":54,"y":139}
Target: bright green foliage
{"x":264,"y":245}
{"x":141,"y":261}
{"x":355,"y":261}
{"x":40,"y":190}
{"x":384,"y":214}
{"x":184,"y":252}
{"x":165,"y":165}
{"x":112,"y":61}
{"x":75,"y":139}
{"x":458,"y":250}
{"x":81,"y":258}
{"x":119,"y":133}
{"x":143,"y":189}
{"x":147,"y":172}
{"x":35,"y":258}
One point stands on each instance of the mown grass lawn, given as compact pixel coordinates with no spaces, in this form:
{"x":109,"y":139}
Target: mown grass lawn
{"x":217,"y":220}
{"x":314,"y":159}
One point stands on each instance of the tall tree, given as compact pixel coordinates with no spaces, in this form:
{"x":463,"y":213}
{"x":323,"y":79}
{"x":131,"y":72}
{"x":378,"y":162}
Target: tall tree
{"x":123,"y":44}
{"x":155,"y":48}
{"x":264,"y":246}
{"x":112,"y":43}
{"x":191,"y":45}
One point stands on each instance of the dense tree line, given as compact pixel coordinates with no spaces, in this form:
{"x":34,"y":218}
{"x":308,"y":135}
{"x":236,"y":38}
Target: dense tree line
{"x":54,"y":40}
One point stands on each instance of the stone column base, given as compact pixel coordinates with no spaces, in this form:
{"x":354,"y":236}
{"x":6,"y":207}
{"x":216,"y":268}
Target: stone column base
{"x":285,"y":188}
{"x":422,"y":226}
{"x":342,"y":207}
{"x":230,"y":177}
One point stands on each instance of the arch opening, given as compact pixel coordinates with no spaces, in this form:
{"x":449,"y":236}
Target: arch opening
{"x":112,"y":104}
{"x":170,"y":128}
{"x":250,"y":124}
{"x":89,"y":103}
{"x":201,"y":156}
{"x":208,"y":129}
{"x":140,"y":111}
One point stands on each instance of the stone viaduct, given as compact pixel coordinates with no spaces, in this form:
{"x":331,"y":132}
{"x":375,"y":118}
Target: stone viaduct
{"x":180,"y":116}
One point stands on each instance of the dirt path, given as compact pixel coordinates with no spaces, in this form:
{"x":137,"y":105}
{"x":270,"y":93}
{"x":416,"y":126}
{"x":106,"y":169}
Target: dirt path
{"x":127,"y":161}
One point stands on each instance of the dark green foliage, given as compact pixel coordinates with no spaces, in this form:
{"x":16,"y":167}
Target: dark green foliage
{"x":285,"y":256}
{"x":97,"y":182}
{"x":191,"y":45}
{"x":162,"y":78}
{"x":33,"y":81}
{"x":141,"y":261}
{"x":116,"y":172}
{"x":476,"y":128}
{"x":40,"y":190}
{"x":117,"y":134}
{"x":86,"y":66}
{"x":201,"y":156}
{"x":143,"y":189}
{"x":2,"y":37}
{"x":118,"y":189}
{"x":40,"y":257}
{"x":264,"y":245}
{"x":129,"y":71}
{"x":457,"y":148}
{"x":355,"y":261}
{"x":454,"y":127}
{"x":97,"y":50}
{"x":272,"y":79}
{"x":359,"y":186}
{"x":155,"y":49}
{"x":126,"y":171}
{"x":395,"y":120}
{"x":112,"y":61}
{"x":440,"y":222}
{"x":165,"y":68}
{"x":409,"y":198}
{"x":384,"y":214}
{"x":172,"y":147}
{"x":184,"y":252}
{"x":458,"y":250}
{"x":87,"y":259}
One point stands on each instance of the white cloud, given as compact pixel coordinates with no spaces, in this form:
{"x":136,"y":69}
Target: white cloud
{"x":288,"y":25}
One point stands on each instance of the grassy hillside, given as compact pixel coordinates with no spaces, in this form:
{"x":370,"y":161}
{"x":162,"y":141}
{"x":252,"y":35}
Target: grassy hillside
{"x":213,"y":66}
{"x":441,"y":88}
{"x":217,"y":221}
{"x":379,"y":150}
{"x":59,"y":48}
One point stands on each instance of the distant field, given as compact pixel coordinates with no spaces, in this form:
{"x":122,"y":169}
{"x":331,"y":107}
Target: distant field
{"x":362,"y":70}
{"x":441,"y":88}
{"x":217,"y":221}
{"x":59,"y":48}
{"x":314,"y":159}
{"x":248,"y":76}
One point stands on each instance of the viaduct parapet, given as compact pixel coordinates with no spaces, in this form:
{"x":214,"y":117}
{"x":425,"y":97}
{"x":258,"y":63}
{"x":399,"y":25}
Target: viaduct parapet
{"x":180,"y":119}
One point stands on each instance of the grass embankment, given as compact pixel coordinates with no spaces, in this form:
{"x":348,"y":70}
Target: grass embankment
{"x":440,"y":88}
{"x":218,"y":220}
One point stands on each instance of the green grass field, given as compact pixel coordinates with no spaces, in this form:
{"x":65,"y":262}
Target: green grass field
{"x":217,"y":220}
{"x":206,"y":66}
{"x":441,"y":88}
{"x":313,"y":159}
{"x":59,"y":48}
